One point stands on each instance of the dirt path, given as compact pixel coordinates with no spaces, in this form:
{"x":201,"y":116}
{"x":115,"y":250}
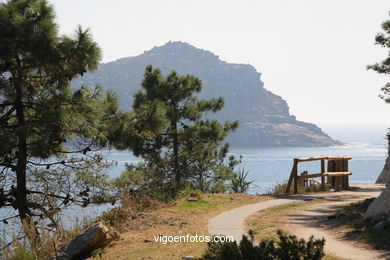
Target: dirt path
{"x":303,"y":225}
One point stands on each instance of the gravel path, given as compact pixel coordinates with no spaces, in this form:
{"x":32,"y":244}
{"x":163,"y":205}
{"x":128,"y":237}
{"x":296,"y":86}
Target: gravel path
{"x":231,"y":223}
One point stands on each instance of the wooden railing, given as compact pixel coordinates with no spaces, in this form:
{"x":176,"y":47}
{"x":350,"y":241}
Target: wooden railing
{"x":337,"y":172}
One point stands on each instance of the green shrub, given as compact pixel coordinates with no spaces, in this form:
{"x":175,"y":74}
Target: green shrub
{"x":287,"y":247}
{"x":239,"y":182}
{"x":189,"y":191}
{"x":20,"y":251}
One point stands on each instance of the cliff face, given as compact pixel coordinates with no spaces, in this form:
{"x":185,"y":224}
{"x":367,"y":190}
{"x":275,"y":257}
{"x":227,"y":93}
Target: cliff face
{"x":263,"y":116}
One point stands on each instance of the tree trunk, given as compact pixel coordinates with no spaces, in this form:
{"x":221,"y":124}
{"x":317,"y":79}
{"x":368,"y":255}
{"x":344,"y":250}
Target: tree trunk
{"x":21,"y":164}
{"x":96,"y":236}
{"x":176,"y":155}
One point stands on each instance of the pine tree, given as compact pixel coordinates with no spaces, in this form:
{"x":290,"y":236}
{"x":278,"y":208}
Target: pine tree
{"x":190,"y":149}
{"x":49,"y":132}
{"x":383,"y":39}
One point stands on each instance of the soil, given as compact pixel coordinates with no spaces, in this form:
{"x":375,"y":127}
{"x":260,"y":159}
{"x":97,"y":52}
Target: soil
{"x":309,"y":219}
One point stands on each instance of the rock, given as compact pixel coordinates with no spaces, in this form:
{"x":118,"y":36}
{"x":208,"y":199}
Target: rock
{"x":379,"y":207}
{"x":384,"y":176}
{"x":264,"y":117}
{"x":192,"y":199}
{"x":96,"y":236}
{"x":380,"y":225}
{"x":187,"y":258}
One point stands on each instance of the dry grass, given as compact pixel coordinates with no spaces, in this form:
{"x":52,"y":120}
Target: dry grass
{"x":265,"y":223}
{"x":45,"y":247}
{"x":280,"y":189}
{"x":181,"y":218}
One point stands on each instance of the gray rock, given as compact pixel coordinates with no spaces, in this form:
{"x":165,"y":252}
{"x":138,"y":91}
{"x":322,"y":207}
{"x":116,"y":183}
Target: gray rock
{"x":380,"y":207}
{"x":380,"y":225}
{"x":384,"y":176}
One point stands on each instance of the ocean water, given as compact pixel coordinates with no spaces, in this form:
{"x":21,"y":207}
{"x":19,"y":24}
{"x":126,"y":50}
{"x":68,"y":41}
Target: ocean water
{"x":269,"y":166}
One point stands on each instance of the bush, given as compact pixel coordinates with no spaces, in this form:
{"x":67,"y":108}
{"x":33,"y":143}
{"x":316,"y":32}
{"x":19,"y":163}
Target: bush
{"x":287,"y":247}
{"x":239,"y":183}
{"x":189,"y":191}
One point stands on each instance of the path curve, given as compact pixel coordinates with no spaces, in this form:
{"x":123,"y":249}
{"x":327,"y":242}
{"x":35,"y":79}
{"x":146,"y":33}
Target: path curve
{"x":231,"y":223}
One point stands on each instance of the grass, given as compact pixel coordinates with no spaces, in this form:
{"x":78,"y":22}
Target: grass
{"x":280,"y":189}
{"x":265,"y":223}
{"x":286,"y":206}
{"x":138,"y":226}
{"x":190,"y":217}
{"x":45,"y":248}
{"x":180,"y":218}
{"x":200,"y":206}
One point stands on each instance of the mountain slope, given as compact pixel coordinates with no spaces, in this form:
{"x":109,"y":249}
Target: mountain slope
{"x":264,"y":117}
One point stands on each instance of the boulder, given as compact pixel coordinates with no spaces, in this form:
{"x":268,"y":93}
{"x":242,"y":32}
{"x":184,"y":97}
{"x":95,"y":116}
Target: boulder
{"x":380,"y":207}
{"x":96,"y":236}
{"x":384,"y":177}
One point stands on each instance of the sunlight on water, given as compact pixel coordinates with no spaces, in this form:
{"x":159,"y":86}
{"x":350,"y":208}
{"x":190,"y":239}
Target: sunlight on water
{"x":267,"y":166}
{"x":270,"y":166}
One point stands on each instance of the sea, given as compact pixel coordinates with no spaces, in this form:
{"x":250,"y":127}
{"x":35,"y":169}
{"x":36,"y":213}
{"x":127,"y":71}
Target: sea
{"x":269,"y":166}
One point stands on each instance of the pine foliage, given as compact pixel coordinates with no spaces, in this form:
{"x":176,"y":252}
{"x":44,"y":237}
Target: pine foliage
{"x":190,"y":149}
{"x":383,"y":67}
{"x":49,"y":133}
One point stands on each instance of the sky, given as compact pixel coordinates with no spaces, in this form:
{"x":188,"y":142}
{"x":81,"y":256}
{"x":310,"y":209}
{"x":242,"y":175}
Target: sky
{"x":312,"y":53}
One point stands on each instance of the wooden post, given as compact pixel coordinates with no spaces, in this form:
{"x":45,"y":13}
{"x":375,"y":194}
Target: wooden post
{"x":296,"y":177}
{"x":322,"y":176}
{"x":331,"y":168}
{"x":346,"y":177}
{"x":328,"y":179}
{"x":339,"y":179}
{"x":337,"y":183}
{"x":345,"y":182}
{"x":290,"y":180}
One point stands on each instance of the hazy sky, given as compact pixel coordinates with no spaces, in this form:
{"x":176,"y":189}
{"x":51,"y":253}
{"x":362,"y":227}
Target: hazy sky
{"x":313,"y":53}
